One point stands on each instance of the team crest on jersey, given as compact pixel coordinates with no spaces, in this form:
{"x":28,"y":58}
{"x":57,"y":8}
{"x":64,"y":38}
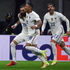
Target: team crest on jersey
{"x":51,"y":19}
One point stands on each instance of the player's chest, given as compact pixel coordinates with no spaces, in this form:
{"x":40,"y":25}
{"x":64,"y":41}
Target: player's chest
{"x":29,"y":19}
{"x":53,"y":19}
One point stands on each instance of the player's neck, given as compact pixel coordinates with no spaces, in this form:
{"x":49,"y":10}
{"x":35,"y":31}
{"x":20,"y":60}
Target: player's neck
{"x":51,"y":13}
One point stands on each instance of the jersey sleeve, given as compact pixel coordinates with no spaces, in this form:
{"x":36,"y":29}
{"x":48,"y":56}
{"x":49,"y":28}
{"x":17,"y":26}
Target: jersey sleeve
{"x":36,"y":17}
{"x":18,"y":16}
{"x":44,"y":23}
{"x":62,"y":17}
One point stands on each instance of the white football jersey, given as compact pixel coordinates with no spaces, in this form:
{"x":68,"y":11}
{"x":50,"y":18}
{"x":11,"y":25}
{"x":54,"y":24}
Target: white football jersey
{"x":55,"y":21}
{"x":31,"y":20}
{"x":24,"y":25}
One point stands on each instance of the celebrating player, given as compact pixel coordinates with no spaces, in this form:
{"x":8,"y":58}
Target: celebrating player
{"x":54,"y":19}
{"x":34,"y":23}
{"x":22,"y":37}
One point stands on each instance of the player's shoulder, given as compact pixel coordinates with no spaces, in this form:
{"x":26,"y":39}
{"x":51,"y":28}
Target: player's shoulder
{"x":34,"y":13}
{"x":46,"y":15}
{"x":18,"y":14}
{"x":58,"y":13}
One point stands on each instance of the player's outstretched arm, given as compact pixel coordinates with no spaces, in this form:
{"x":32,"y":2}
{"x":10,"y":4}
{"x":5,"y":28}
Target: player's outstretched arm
{"x":15,"y":25}
{"x":67,"y":23}
{"x":44,"y":25}
{"x":66,"y":20}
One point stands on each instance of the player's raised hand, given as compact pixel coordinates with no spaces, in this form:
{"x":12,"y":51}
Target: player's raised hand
{"x":13,"y":26}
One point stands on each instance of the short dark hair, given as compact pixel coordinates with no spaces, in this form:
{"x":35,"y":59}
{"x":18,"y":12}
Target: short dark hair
{"x":23,"y":5}
{"x":51,"y":4}
{"x":30,"y":4}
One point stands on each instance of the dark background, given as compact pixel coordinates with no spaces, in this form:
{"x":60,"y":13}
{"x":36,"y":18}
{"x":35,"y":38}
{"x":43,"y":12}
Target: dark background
{"x":11,"y":8}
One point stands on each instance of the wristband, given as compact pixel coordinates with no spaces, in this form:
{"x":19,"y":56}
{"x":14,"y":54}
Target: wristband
{"x":15,"y":24}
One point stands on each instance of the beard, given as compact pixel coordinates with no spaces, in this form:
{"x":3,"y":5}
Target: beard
{"x":23,"y":14}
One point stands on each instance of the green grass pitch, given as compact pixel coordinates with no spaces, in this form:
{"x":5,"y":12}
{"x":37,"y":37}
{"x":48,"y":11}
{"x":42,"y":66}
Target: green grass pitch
{"x":34,"y":65}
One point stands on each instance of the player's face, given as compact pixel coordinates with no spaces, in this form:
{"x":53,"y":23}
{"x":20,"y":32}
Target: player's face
{"x":22,"y":10}
{"x":51,"y":8}
{"x":27,"y":8}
